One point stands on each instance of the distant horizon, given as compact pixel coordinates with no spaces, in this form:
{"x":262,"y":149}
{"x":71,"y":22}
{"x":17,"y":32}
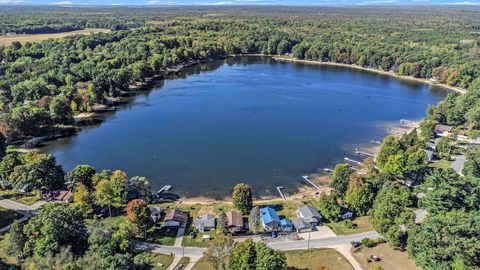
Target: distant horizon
{"x":299,"y":3}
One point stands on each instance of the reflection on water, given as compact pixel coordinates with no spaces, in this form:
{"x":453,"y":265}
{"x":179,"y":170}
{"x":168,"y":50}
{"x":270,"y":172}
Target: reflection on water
{"x":247,"y":119}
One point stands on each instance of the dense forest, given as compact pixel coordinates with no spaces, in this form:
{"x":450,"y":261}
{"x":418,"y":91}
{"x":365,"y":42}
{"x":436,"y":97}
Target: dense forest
{"x":44,"y":85}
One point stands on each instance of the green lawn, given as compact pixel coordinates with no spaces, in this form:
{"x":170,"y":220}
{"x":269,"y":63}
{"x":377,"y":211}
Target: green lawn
{"x":159,"y":261}
{"x":4,"y":248}
{"x":109,"y":222}
{"x":7,"y":216}
{"x":442,"y":164}
{"x":24,"y":198}
{"x":163,"y":236}
{"x":316,"y":259}
{"x":363,"y":225}
{"x":184,"y":261}
{"x":197,"y":241}
{"x":203,"y":264}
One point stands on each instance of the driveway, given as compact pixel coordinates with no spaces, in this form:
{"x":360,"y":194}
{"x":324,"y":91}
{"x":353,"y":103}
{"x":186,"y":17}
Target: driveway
{"x":319,"y":233}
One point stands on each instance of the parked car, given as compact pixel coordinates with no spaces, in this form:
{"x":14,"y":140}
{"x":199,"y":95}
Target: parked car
{"x":375,"y":258}
{"x":355,"y":244}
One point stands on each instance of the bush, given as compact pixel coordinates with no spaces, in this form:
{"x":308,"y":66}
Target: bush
{"x":349,"y":224}
{"x":367,"y":242}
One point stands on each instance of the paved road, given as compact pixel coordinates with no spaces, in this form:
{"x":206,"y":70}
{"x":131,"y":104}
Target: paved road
{"x":281,"y":245}
{"x":12,"y":205}
{"x":322,"y":242}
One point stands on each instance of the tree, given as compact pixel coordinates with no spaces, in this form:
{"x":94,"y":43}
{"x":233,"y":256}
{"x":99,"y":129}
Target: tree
{"x":60,"y":110}
{"x":81,"y":174}
{"x":446,"y":240}
{"x":395,"y":165}
{"x":472,"y":165}
{"x":9,"y":162}
{"x":56,"y":225}
{"x":417,"y":162}
{"x":139,"y":214}
{"x":219,"y":250}
{"x":255,"y":220}
{"x":3,"y":146}
{"x":390,"y":146}
{"x":340,"y":177}
{"x":83,"y":197}
{"x":242,"y":198}
{"x":16,"y":240}
{"x":427,"y":128}
{"x":269,"y":259}
{"x":390,"y":214}
{"x":360,"y":195}
{"x":222,"y":223}
{"x":41,"y":171}
{"x":243,"y":256}
{"x":329,"y":208}
{"x":138,"y":187}
{"x":111,"y":191}
{"x":443,"y":148}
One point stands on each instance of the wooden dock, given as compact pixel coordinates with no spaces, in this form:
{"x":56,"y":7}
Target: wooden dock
{"x":164,"y":188}
{"x":281,"y":192}
{"x":358,"y":152}
{"x":352,"y":161}
{"x":307,"y":178}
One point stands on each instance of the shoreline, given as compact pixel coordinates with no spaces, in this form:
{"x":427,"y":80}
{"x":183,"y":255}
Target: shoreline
{"x":374,"y":70}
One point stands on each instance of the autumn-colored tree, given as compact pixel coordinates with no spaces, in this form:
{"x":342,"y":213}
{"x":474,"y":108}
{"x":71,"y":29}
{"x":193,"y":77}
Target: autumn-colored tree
{"x":139,"y":215}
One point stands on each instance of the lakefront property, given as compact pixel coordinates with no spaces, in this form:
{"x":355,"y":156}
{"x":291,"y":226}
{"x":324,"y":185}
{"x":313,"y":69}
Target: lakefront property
{"x":233,"y":136}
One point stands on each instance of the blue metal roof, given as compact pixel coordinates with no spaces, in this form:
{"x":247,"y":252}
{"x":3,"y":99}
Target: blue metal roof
{"x":269,"y":215}
{"x":286,"y":223}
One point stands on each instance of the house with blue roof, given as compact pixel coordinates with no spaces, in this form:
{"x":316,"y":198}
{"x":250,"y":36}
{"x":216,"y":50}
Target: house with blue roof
{"x":270,"y":219}
{"x":287,"y":226}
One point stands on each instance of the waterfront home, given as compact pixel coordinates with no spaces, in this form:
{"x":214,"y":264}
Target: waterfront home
{"x":155,"y":213}
{"x":286,"y":225}
{"x":235,"y":221}
{"x":175,"y":218}
{"x":310,"y":214}
{"x":205,"y":223}
{"x":443,"y":130}
{"x":302,"y":225}
{"x":346,"y":213}
{"x":270,"y":219}
{"x":64,"y":196}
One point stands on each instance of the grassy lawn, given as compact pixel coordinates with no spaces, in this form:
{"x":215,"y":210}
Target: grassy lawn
{"x":197,"y":241}
{"x":192,"y":210}
{"x":203,"y":264}
{"x":23,"y":198}
{"x":109,"y":222}
{"x":317,"y":258}
{"x":7,"y":216}
{"x":7,"y":40}
{"x":442,"y":164}
{"x":285,"y":209}
{"x":363,"y":225}
{"x":159,"y":261}
{"x":390,"y":259}
{"x":3,"y":250}
{"x":163,"y":236}
{"x":184,"y":261}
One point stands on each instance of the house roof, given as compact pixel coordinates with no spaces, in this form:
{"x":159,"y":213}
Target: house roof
{"x":442,"y":128}
{"x":429,"y":154}
{"x":234,"y":219}
{"x":269,"y":215}
{"x":301,"y":224}
{"x":176,"y":215}
{"x":155,"y":210}
{"x":204,"y":221}
{"x":309,"y":212}
{"x":64,"y":195}
{"x":286,"y":223}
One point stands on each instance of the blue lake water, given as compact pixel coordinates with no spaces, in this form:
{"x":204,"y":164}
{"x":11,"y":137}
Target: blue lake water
{"x":249,"y":119}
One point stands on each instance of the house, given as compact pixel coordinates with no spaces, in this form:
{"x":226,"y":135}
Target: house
{"x":286,"y":225}
{"x":270,"y":219}
{"x":205,"y":223}
{"x":302,"y":225}
{"x":443,"y":130}
{"x":346,"y":213}
{"x":64,"y":196}
{"x":155,"y":213}
{"x":175,"y":218}
{"x":429,"y":154}
{"x":458,"y":164}
{"x":310,"y":214}
{"x":235,"y":221}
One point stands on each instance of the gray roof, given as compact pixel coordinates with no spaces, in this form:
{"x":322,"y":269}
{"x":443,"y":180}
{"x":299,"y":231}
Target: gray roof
{"x":300,"y":224}
{"x":458,"y":164}
{"x":205,"y":221}
{"x":309,"y":212}
{"x":442,"y":128}
{"x":429,"y":154}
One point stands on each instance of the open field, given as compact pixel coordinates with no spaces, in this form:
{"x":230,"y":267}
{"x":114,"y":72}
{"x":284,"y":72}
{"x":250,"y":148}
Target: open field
{"x":390,"y":259}
{"x":363,"y":225}
{"x":160,"y":261}
{"x":315,"y":259}
{"x":7,"y":40}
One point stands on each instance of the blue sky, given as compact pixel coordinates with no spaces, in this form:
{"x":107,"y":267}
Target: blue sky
{"x":240,"y":2}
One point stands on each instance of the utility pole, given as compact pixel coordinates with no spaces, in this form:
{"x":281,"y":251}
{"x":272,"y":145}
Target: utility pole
{"x":308,"y":241}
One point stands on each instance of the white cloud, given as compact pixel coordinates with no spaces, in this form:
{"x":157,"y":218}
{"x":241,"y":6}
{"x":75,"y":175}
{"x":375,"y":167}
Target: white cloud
{"x":62,"y":3}
{"x":464,"y":3}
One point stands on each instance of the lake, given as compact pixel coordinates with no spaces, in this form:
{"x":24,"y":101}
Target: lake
{"x":246,"y":119}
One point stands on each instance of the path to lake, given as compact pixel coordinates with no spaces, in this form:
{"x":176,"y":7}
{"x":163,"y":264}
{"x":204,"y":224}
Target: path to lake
{"x":248,"y":119}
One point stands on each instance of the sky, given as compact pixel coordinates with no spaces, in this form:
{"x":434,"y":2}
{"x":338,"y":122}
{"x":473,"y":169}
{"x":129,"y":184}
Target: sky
{"x":240,"y":2}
